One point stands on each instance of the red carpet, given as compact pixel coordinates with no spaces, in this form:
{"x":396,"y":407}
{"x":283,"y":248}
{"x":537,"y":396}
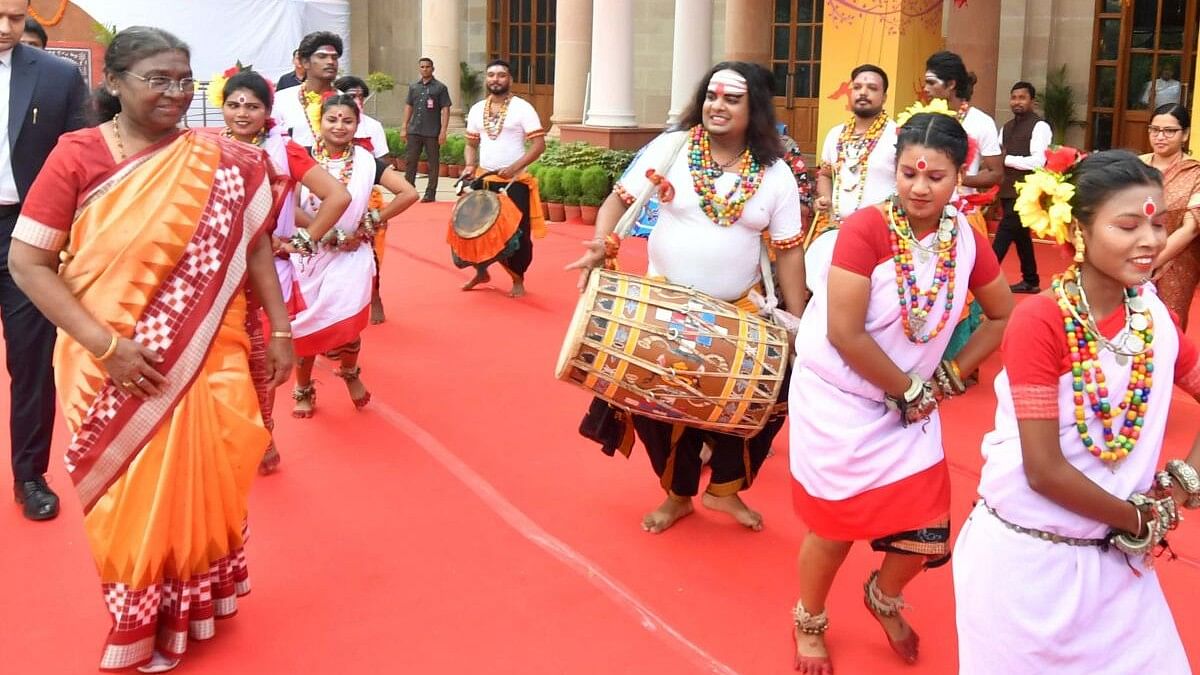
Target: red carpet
{"x":460,"y":524}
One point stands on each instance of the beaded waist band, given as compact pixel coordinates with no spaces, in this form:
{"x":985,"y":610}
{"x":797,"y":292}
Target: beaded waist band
{"x":1043,"y":535}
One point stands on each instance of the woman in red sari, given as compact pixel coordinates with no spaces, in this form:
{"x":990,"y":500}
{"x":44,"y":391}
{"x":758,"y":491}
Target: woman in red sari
{"x":158,"y":232}
{"x":1179,"y":263}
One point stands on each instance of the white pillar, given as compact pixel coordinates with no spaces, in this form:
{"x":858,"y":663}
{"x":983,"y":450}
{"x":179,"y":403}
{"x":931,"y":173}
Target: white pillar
{"x":612,"y":65}
{"x":691,"y":53}
{"x":439,"y":41}
{"x":572,"y":51}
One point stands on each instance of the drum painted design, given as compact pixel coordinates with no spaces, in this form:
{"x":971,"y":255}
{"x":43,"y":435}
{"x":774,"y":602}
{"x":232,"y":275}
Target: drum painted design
{"x":674,"y":354}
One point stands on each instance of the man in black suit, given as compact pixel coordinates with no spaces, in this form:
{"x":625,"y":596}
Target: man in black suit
{"x":41,"y":97}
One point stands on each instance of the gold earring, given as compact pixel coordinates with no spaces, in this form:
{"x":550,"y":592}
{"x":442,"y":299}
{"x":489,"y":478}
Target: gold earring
{"x":1079,"y":245}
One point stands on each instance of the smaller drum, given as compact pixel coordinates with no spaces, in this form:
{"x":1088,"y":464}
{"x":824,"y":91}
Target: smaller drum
{"x":674,"y":354}
{"x":484,"y":226}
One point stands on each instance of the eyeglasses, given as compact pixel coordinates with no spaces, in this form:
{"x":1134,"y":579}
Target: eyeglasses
{"x":1165,"y":132}
{"x":164,"y":85}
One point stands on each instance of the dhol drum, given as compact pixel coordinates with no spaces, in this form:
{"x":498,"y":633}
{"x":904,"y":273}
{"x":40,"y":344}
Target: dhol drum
{"x":674,"y":354}
{"x":484,"y":226}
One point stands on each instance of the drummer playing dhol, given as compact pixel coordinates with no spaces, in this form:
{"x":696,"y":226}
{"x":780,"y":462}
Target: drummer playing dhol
{"x":498,"y":128}
{"x":723,"y":189}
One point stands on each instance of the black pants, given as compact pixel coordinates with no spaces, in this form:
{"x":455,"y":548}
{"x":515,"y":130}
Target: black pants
{"x":522,"y":258}
{"x":674,"y":452}
{"x":1011,"y":231}
{"x":29,"y":347}
{"x":412,"y":155}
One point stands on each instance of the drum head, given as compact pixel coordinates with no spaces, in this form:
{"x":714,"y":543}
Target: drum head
{"x":475,"y":212}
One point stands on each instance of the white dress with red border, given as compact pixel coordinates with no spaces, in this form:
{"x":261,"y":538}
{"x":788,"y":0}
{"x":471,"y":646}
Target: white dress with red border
{"x":858,"y":474}
{"x":1025,"y":605}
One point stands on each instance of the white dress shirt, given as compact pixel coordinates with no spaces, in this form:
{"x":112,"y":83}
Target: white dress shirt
{"x":8,"y":183}
{"x":1039,"y":142}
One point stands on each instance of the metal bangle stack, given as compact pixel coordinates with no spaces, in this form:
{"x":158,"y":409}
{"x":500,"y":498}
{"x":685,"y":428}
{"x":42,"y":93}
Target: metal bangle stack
{"x":1186,"y":475}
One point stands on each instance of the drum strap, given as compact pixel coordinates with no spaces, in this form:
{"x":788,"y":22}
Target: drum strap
{"x":625,"y":224}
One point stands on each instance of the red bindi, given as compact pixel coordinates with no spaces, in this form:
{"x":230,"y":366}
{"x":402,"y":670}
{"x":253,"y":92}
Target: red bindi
{"x":922,"y":164}
{"x":1149,"y":207}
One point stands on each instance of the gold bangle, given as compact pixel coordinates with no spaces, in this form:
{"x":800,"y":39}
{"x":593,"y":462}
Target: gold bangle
{"x":283,"y":334}
{"x":112,"y":348}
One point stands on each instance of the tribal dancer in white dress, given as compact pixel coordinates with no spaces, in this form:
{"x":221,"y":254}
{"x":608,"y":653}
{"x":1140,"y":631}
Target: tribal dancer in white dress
{"x":1052,"y":569}
{"x":866,"y":454}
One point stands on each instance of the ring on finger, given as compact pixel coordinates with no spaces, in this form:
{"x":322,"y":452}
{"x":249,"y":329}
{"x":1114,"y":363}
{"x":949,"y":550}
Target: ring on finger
{"x":126,"y":384}
{"x":141,"y":379}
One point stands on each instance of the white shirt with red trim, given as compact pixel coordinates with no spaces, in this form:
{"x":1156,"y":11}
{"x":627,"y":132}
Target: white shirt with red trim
{"x":520,"y":124}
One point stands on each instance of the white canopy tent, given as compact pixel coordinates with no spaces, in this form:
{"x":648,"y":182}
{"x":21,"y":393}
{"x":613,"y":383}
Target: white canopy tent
{"x":262,"y":33}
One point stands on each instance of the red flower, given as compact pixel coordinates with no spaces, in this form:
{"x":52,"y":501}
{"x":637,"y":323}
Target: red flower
{"x":1060,"y":160}
{"x":327,"y":95}
{"x":230,"y":72}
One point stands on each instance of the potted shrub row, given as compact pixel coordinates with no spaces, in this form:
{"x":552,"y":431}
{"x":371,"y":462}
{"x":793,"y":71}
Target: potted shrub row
{"x":571,"y":193}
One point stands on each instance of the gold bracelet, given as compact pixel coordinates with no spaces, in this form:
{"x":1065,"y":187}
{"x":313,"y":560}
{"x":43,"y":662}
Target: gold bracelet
{"x":283,"y":334}
{"x":112,"y":348}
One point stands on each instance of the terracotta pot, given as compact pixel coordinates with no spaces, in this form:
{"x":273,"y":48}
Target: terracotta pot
{"x":572,"y":211}
{"x":588,"y":214}
{"x":556,"y":212}
{"x":546,"y":210}
{"x":399,"y":164}
{"x":423,"y":167}
{"x":443,"y":170}
{"x":455,"y":170}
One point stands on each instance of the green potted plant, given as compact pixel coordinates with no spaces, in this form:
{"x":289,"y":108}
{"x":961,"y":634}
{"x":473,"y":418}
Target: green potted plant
{"x":595,"y":189}
{"x":396,"y":147}
{"x":572,"y":190}
{"x":453,"y":154}
{"x":470,"y":85}
{"x":1057,"y":100}
{"x":551,"y":188}
{"x":379,"y":83}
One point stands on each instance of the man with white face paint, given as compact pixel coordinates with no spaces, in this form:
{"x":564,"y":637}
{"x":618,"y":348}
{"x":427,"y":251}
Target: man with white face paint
{"x":722,"y":186}
{"x":297,"y":108}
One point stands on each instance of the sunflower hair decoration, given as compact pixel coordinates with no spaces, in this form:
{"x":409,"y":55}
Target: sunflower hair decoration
{"x":937,"y":106}
{"x":216,"y":85}
{"x":1044,"y":197}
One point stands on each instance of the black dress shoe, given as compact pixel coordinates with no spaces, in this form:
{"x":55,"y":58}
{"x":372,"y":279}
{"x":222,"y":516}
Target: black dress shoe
{"x":1025,"y":287}
{"x":40,"y":501}
{"x":427,"y":198}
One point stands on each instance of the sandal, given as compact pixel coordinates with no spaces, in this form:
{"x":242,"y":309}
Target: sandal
{"x":270,"y":461}
{"x":306,"y":394}
{"x":880,"y":606}
{"x":809,"y":624}
{"x":350,"y":375}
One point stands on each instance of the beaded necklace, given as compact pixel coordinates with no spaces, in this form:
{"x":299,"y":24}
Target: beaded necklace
{"x":310,"y":103}
{"x":963,"y":109}
{"x":493,"y":122}
{"x":913,"y":312}
{"x":259,"y":138}
{"x":724,"y":210}
{"x":324,"y":158}
{"x":1087,"y":376}
{"x":858,"y":165}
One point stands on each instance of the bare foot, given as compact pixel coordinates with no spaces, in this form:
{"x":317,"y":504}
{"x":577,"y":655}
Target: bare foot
{"x":480,"y":278}
{"x":671,"y":510}
{"x":270,"y":461}
{"x":377,"y":316}
{"x":734,"y":506}
{"x":306,"y":401}
{"x":518,"y":284}
{"x":812,"y":657}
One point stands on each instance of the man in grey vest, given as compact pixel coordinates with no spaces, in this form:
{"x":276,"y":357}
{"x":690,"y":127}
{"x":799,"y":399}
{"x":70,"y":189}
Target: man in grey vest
{"x":1024,"y":139}
{"x":426,"y":115}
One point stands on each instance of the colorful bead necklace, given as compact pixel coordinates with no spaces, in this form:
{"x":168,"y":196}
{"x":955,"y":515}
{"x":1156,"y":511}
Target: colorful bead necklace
{"x":493,"y":122}
{"x":913,"y":312}
{"x":1087,"y":376}
{"x":724,"y":210}
{"x":325,"y":158}
{"x":310,"y":103}
{"x":866,"y":146}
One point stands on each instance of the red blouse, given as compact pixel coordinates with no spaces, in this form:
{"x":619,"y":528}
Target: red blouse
{"x":1035,"y":355}
{"x":863,"y":243}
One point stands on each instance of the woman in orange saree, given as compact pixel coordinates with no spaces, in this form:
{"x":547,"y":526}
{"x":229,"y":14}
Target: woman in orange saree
{"x":1179,"y":263}
{"x":137,"y":240}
